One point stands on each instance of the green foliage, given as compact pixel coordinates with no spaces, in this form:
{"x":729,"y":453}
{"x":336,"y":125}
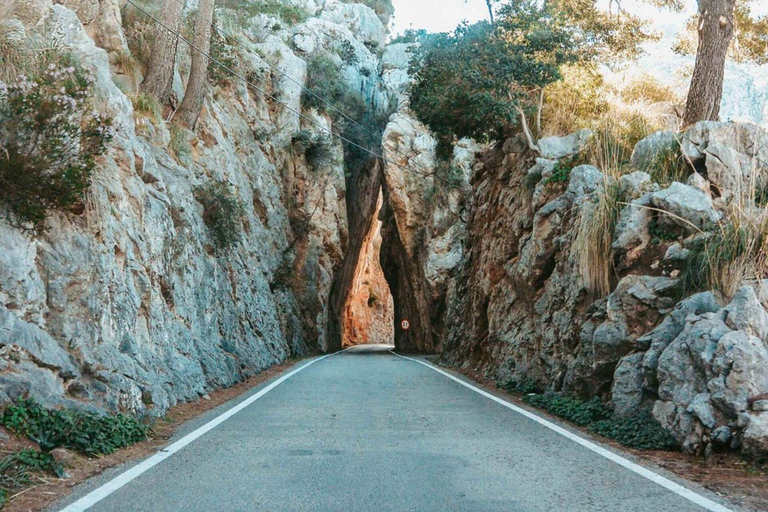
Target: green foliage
{"x":77,"y":430}
{"x":15,"y":469}
{"x":147,"y":105}
{"x":317,"y":148}
{"x":291,"y":14}
{"x":561,"y":173}
{"x":223,"y":213}
{"x":640,"y":431}
{"x":223,"y":52}
{"x":50,"y":137}
{"x":412,"y":36}
{"x":570,"y":409}
{"x":524,"y":387}
{"x":347,"y":52}
{"x":479,"y":80}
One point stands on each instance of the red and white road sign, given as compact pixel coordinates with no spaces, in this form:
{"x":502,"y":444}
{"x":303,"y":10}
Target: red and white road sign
{"x":405,"y":324}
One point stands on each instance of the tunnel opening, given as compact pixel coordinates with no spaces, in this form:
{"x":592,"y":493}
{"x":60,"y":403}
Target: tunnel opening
{"x":368,"y":314}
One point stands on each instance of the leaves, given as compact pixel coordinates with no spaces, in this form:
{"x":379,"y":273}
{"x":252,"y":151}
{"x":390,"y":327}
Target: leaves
{"x":475,"y":81}
{"x":77,"y":430}
{"x":49,"y":141}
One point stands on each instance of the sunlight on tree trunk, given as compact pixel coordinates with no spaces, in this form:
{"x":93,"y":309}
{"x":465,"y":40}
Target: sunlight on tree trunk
{"x":159,"y":79}
{"x":198,"y":75}
{"x":715,"y":32}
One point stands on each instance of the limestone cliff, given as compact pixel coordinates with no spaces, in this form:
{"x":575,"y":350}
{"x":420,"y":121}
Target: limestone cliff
{"x":129,"y":305}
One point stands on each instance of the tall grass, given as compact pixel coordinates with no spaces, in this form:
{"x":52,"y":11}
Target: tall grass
{"x":23,"y":51}
{"x":736,"y":251}
{"x":609,"y":149}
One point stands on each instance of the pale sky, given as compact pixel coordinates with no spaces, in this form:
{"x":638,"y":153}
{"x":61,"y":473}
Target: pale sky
{"x":436,"y":15}
{"x":445,"y":15}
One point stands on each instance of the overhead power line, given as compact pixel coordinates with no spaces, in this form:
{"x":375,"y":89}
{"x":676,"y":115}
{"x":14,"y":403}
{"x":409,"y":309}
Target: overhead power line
{"x":234,"y":73}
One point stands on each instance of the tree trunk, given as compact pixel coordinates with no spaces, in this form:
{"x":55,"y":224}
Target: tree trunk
{"x":159,"y":79}
{"x":198,"y":74}
{"x":489,"y":3}
{"x":715,"y":33}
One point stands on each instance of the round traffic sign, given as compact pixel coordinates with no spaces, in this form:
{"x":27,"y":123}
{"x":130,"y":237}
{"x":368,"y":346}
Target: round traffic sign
{"x":405,"y":324}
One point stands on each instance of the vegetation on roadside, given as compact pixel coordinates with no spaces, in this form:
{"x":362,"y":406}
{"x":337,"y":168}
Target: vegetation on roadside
{"x":84,"y":432}
{"x":640,"y":431}
{"x":17,"y":470}
{"x":735,"y":252}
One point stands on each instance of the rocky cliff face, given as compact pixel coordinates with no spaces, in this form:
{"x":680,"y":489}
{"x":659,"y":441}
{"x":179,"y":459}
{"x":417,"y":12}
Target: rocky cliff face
{"x":522,"y":310}
{"x":129,"y":305}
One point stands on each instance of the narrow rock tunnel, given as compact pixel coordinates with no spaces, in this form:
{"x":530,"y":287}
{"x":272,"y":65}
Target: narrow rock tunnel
{"x":374,"y":290}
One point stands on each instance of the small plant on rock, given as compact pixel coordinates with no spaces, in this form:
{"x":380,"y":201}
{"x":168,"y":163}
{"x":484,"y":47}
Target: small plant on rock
{"x":317,"y":149}
{"x":50,"y":138}
{"x":223,"y":213}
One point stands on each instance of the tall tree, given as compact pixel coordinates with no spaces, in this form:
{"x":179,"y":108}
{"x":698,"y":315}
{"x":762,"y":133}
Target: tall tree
{"x":190,"y":107}
{"x":724,"y":28}
{"x":482,"y":80}
{"x":159,"y":79}
{"x":715,"y":30}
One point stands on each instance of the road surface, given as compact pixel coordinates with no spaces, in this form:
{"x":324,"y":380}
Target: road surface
{"x":366,"y":430}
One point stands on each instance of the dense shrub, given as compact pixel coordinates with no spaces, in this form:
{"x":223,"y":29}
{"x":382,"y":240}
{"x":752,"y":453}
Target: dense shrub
{"x":222,"y":213}
{"x":224,"y":57}
{"x":640,"y":431}
{"x":77,"y":430}
{"x":317,"y":148}
{"x":50,"y":137}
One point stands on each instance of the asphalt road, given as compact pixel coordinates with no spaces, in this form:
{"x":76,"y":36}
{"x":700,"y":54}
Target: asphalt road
{"x":366,"y":430}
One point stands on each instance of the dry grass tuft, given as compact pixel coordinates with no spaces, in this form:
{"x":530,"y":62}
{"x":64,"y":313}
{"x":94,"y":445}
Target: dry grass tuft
{"x":735,"y":253}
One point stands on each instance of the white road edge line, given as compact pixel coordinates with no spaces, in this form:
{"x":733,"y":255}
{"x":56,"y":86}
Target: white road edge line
{"x":122,"y":479}
{"x":621,"y":461}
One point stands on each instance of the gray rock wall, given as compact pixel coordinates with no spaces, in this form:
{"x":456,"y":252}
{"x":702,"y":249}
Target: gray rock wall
{"x":129,"y":305}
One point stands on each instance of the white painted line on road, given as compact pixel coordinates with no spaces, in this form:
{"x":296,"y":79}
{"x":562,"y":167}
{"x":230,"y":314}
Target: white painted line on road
{"x":122,"y":479}
{"x":635,"y":468}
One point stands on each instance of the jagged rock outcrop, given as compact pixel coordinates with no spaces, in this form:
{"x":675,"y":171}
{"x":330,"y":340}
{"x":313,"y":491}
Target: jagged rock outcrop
{"x":522,"y":309}
{"x":130,"y":306}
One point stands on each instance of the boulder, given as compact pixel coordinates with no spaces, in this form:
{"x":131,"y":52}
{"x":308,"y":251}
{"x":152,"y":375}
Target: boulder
{"x":555,"y":148}
{"x":755,"y":437}
{"x":647,"y":152}
{"x":746,"y":313}
{"x":688,"y":207}
{"x":732,"y":153}
{"x":632,"y":235}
